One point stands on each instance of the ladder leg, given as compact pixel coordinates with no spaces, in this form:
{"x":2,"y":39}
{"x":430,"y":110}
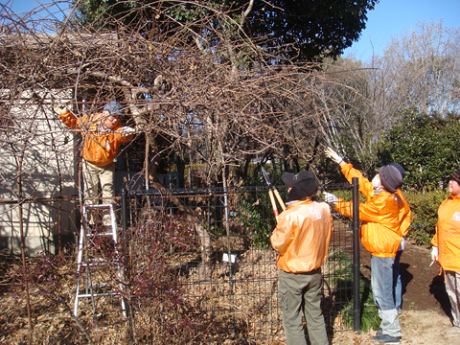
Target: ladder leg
{"x":84,"y":260}
{"x":79,"y":258}
{"x":119,"y":274}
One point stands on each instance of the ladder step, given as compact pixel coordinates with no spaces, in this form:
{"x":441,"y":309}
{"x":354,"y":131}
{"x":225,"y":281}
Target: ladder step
{"x":100,"y":285}
{"x":100,"y":234}
{"x":96,"y":262}
{"x":97,"y":286}
{"x":86,"y":265}
{"x":97,"y":294}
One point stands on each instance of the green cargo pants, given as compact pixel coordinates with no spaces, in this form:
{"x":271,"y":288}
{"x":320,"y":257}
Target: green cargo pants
{"x":302,"y":292}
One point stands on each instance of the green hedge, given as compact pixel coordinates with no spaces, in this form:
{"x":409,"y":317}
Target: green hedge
{"x":424,"y":208}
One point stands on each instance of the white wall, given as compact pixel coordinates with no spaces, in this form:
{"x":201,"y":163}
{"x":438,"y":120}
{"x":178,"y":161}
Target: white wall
{"x":30,"y":126}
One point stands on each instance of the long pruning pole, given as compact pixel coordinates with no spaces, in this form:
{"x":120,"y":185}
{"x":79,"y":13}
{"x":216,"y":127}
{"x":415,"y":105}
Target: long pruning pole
{"x":272,"y":199}
{"x":278,"y":196}
{"x":272,"y":192}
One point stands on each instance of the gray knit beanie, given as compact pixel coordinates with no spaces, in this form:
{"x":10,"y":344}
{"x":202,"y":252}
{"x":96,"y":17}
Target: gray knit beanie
{"x":399,"y":167}
{"x":113,"y":108}
{"x":390,"y":177}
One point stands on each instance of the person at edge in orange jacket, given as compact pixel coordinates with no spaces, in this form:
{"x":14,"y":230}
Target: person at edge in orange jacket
{"x":102,"y":134}
{"x":380,"y":234}
{"x":446,"y":249}
{"x":301,"y":239}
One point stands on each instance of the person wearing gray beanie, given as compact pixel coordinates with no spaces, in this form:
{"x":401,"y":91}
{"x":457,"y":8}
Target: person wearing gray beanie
{"x":102,"y":135}
{"x":405,"y":216}
{"x":380,"y":234}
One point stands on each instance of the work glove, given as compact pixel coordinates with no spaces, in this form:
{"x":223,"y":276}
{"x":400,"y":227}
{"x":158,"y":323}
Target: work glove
{"x":330,"y":198}
{"x":434,"y":253}
{"x":127,"y":130}
{"x":61,"y":109}
{"x":333,"y":155}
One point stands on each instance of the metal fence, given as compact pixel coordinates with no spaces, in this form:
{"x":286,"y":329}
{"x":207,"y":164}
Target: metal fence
{"x":227,"y":268}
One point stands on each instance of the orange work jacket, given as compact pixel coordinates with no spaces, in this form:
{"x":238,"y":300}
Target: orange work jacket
{"x":447,"y":237}
{"x":405,"y":214}
{"x":302,"y":236}
{"x":381,"y":227}
{"x":99,"y":148}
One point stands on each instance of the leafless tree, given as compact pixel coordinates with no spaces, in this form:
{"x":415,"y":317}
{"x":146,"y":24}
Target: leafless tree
{"x":417,"y":70}
{"x":420,"y":70}
{"x":219,"y":104}
{"x":203,"y":92}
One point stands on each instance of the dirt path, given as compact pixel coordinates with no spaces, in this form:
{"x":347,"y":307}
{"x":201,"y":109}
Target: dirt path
{"x":417,"y":326}
{"x":425,"y":303}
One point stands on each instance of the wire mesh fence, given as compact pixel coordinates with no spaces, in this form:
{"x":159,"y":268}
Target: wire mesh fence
{"x":223,"y":258}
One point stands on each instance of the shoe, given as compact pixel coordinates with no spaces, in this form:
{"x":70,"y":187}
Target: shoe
{"x":453,"y":331}
{"x":379,"y":332}
{"x":387,"y":339}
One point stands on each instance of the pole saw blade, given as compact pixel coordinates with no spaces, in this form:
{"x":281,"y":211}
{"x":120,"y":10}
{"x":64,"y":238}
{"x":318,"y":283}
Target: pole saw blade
{"x":267,"y":179}
{"x":270,"y":193}
{"x":273,"y":188}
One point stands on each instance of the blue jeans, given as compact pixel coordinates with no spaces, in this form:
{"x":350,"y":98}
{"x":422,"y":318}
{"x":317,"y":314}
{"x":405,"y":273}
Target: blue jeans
{"x":397,"y":280}
{"x":382,"y":289}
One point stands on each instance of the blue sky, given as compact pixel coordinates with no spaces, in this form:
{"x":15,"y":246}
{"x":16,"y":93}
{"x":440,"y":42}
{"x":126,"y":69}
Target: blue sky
{"x":25,"y":6}
{"x":392,"y":18}
{"x":22,"y":6}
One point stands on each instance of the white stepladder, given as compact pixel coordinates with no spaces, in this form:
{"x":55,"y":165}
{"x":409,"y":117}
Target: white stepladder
{"x":88,"y":264}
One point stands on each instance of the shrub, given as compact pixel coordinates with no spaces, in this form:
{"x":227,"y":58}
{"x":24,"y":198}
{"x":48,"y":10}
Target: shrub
{"x":425,"y":145}
{"x":256,"y":223}
{"x":158,"y":312}
{"x":256,"y":209}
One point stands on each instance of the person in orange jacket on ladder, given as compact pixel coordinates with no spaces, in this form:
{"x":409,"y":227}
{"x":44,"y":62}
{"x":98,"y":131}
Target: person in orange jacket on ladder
{"x":102,"y":134}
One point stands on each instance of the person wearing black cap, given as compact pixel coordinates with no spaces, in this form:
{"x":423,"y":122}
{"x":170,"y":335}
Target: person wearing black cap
{"x":446,"y":249}
{"x":380,"y":235}
{"x":301,"y":239}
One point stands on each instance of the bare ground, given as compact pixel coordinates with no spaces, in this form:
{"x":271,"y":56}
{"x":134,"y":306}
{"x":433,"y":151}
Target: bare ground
{"x":425,"y":304}
{"x":425,"y":308}
{"x":418,"y":327}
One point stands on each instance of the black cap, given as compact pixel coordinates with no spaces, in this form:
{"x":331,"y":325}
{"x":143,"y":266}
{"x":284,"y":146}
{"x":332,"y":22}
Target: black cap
{"x":303,"y":185}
